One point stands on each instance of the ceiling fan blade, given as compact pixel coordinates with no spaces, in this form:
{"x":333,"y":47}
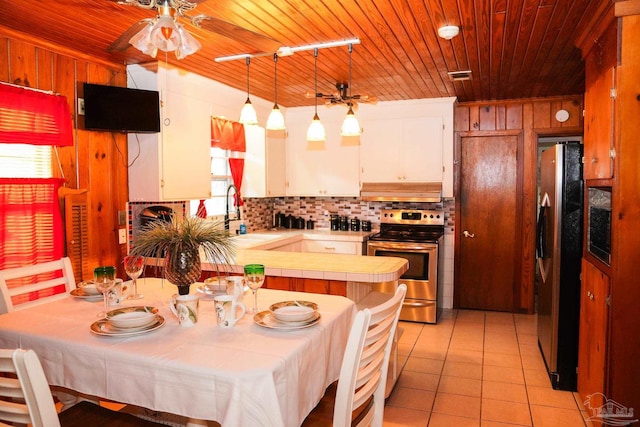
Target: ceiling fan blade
{"x":122,"y":43}
{"x":259,"y":41}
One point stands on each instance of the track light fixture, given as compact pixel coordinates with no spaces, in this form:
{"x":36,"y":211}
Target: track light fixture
{"x":350,"y":126}
{"x":248,"y":114}
{"x":276,"y":119}
{"x":316,"y":130}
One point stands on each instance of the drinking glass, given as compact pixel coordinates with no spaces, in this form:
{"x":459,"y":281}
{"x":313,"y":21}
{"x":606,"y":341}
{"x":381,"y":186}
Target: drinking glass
{"x":104,"y":279}
{"x":133,"y":266}
{"x":254,"y":277}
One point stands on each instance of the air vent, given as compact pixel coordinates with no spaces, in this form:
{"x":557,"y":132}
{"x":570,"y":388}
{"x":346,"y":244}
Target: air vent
{"x":457,"y":76}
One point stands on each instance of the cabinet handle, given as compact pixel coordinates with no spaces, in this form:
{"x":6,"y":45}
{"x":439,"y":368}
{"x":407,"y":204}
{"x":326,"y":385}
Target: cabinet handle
{"x":591,"y":296}
{"x":329,"y":248}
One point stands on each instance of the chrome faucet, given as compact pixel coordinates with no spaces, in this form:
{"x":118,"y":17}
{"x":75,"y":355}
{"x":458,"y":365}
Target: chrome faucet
{"x":226,"y":212}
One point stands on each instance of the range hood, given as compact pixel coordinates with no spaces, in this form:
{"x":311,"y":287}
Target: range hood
{"x":401,"y":191}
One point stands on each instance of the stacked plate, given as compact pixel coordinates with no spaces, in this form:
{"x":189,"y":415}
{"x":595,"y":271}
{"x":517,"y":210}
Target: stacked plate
{"x":289,"y":315}
{"x":87,"y":290}
{"x":128,"y":321}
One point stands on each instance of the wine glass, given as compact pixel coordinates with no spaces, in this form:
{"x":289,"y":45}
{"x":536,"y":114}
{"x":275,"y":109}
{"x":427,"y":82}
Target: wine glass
{"x":133,"y":266}
{"x":104,"y":277}
{"x":254,"y":277}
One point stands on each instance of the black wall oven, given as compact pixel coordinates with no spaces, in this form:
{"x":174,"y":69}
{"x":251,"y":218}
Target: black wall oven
{"x":416,"y":236}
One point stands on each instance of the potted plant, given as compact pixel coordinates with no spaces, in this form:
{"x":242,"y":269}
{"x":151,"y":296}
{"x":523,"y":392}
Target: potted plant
{"x":179,"y":242}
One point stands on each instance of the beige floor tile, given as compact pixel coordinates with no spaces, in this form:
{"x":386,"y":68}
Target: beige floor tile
{"x":529,"y":349}
{"x":501,"y":374}
{"x":428,"y":366}
{"x":458,"y":405}
{"x":502,"y":359}
{"x":498,"y":317}
{"x":444,"y":420}
{"x":504,"y":391}
{"x":459,"y":385}
{"x":467,"y":344}
{"x":506,"y":412}
{"x":537,"y":378}
{"x":411,"y":398}
{"x":546,"y":416}
{"x":528,"y":339}
{"x":395,"y":416}
{"x":419,"y":380}
{"x":550,"y":397}
{"x":465,"y":356}
{"x":429,"y":353}
{"x":487,"y":423}
{"x":533,"y":361}
{"x":460,"y":369}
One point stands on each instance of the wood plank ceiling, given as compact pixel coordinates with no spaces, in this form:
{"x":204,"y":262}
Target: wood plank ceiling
{"x":514,"y":48}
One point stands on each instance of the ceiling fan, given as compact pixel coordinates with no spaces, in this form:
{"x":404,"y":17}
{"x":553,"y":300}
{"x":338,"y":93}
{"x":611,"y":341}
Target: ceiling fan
{"x":179,"y":8}
{"x":342,"y":96}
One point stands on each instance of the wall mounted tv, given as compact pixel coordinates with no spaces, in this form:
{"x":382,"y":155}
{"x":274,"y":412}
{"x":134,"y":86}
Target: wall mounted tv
{"x":120,"y":109}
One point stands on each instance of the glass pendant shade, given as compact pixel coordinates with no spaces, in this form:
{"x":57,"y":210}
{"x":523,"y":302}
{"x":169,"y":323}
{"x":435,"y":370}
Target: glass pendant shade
{"x":350,"y":126}
{"x":165,"y":35}
{"x":276,"y":119}
{"x":248,"y":114}
{"x":188,"y":43}
{"x":316,"y":130}
{"x":142,"y":41}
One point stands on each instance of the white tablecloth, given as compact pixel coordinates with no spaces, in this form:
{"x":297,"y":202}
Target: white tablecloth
{"x":242,"y":376}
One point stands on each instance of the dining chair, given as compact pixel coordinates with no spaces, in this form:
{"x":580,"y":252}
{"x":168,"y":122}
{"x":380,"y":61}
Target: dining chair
{"x":25,"y":398}
{"x":29,"y":285}
{"x":360,"y":393}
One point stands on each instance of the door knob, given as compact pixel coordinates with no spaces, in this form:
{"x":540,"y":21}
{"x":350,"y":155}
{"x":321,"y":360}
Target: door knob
{"x":465,"y":233}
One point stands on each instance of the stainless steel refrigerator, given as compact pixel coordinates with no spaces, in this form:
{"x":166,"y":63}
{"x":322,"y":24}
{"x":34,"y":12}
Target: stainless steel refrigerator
{"x":559,"y":253}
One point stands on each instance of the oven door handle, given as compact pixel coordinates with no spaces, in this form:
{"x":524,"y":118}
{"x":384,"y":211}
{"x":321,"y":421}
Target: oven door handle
{"x":405,"y":246}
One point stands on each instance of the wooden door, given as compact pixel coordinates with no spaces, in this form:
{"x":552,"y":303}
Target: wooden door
{"x":488,"y":229}
{"x":594,"y":315}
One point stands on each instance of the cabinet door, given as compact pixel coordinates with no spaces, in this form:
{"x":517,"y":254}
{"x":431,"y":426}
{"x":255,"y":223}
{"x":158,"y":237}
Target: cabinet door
{"x":598,"y":125}
{"x":254,"y":179}
{"x":422,"y":159}
{"x":594,"y":315}
{"x":381,"y":151}
{"x":276,"y":156}
{"x":186,"y":143}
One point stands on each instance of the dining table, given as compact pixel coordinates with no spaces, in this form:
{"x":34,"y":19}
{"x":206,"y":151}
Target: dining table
{"x":252,"y":374}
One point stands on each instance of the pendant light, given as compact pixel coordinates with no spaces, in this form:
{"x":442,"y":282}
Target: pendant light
{"x":316,"y":130}
{"x":350,"y":126}
{"x":276,"y":119}
{"x":248,"y":114}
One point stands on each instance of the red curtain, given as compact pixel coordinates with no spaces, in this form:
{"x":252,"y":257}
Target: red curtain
{"x":30,"y":221}
{"x":227,"y":134}
{"x":237,"y":168}
{"x":32,"y":117}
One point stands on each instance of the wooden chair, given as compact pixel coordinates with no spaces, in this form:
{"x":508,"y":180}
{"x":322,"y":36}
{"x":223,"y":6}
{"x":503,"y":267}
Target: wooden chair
{"x":26,"y":286}
{"x":25,"y":398}
{"x":360,"y":393}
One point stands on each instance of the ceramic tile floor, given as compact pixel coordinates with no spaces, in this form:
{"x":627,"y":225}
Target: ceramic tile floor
{"x":477,"y":369}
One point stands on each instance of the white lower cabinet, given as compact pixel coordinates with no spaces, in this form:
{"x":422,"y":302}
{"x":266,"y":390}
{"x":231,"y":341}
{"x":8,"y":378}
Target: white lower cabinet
{"x":332,"y":247}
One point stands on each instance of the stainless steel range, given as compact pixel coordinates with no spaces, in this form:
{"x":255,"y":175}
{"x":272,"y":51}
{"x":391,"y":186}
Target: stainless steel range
{"x":417,"y":236}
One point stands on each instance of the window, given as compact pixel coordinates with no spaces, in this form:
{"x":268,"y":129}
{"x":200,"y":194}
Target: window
{"x":25,"y":161}
{"x":220,"y":181}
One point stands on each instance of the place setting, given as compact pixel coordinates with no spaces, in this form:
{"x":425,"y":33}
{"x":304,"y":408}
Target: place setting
{"x":128,"y":321}
{"x":287,"y":315}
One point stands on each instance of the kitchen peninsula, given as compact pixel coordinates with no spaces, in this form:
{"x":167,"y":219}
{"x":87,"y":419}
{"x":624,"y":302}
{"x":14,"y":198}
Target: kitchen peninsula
{"x":292,"y":263}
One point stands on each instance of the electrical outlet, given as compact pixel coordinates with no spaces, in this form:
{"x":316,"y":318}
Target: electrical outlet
{"x":81,"y":106}
{"x":122,"y":236}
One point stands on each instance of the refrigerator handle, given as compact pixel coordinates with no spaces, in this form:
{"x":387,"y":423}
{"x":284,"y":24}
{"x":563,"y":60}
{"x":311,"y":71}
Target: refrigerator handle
{"x":541,"y":232}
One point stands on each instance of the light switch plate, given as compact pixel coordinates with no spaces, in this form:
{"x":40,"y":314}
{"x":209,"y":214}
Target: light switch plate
{"x":122,"y":236}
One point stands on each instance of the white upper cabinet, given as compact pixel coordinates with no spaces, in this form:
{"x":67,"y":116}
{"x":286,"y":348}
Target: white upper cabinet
{"x":408,"y":141}
{"x":264,"y":165}
{"x":320,"y":169}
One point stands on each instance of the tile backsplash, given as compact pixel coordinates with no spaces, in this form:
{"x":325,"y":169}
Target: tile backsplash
{"x":260,"y":212}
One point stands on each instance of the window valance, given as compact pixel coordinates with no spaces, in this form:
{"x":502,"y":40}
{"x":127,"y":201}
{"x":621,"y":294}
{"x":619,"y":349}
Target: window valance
{"x":30,"y":116}
{"x":227,"y":134}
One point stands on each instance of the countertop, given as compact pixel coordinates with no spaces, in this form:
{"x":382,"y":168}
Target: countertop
{"x":254,"y":248}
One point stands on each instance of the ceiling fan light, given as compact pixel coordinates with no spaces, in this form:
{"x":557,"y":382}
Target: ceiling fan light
{"x":276,"y":119}
{"x":316,"y":130}
{"x":188,"y":43}
{"x":350,"y":125}
{"x":142,"y":40}
{"x":165,"y":35}
{"x":248,"y":114}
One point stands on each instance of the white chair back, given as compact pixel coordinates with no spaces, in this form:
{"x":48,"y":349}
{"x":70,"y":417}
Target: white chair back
{"x":26,"y":399}
{"x":363,"y":374}
{"x":19,"y":284}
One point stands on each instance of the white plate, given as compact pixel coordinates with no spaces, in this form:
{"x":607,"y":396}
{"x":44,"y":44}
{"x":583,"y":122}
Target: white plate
{"x":132,"y":317}
{"x":208,"y":292}
{"x":102,"y":328}
{"x":266,"y":319}
{"x":79,"y":293}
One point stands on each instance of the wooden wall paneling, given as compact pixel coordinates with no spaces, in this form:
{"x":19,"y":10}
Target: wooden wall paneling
{"x":474,"y":117}
{"x":4,"y":59}
{"x":461,"y":119}
{"x":575,"y":113}
{"x":22,"y":64}
{"x":44,"y":75}
{"x":542,"y":115}
{"x":529,"y":207}
{"x":501,"y":117}
{"x":514,"y":116}
{"x":64,"y":78}
{"x":488,"y":117}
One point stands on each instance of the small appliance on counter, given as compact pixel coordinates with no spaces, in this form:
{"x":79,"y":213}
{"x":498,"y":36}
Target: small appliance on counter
{"x":155,"y":213}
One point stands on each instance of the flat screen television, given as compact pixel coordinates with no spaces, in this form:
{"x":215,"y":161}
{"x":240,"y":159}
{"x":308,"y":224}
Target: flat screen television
{"x":121,"y":109}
